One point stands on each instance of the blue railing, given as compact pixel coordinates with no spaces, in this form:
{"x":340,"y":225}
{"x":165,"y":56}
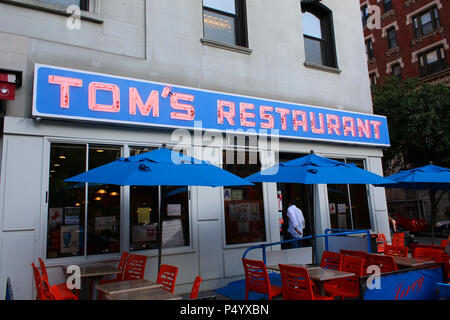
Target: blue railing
{"x":328,"y":233}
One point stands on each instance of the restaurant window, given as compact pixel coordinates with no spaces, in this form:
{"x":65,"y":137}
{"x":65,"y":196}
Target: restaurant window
{"x":387,"y":5}
{"x":364,"y":15}
{"x":244,"y":205}
{"x":397,"y":71}
{"x":318,"y":34}
{"x":432,"y":61}
{"x":392,"y":38}
{"x":369,"y":49}
{"x":225,"y":21}
{"x":82,"y":4}
{"x":74,"y":207}
{"x":144,"y":214}
{"x":426,"y":22}
{"x":348,"y":204}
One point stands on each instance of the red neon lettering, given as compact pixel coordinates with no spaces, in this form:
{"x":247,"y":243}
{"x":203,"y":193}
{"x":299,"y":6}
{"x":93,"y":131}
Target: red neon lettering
{"x":93,"y":105}
{"x":410,"y":289}
{"x":283,"y":112}
{"x":65,"y":84}
{"x":190,"y":111}
{"x":166,"y":92}
{"x":243,"y":107}
{"x":349,"y":126}
{"x":363,"y":128}
{"x":336,"y":127}
{"x":229,"y":115}
{"x":151,"y":103}
{"x":314,"y":128}
{"x":265,"y":116}
{"x":297,"y":123}
{"x":376,"y":128}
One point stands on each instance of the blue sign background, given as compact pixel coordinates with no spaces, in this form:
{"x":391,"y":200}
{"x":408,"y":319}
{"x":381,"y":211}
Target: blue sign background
{"x":47,"y":104}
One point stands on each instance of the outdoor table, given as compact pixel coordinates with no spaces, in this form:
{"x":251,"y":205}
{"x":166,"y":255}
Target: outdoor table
{"x":95,"y":271}
{"x":308,"y":267}
{"x":320,"y":275}
{"x":126,"y":286}
{"x":411,"y":262}
{"x":156,"y":293}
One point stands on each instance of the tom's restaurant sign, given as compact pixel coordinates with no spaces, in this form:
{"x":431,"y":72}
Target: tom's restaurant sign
{"x":61,"y":93}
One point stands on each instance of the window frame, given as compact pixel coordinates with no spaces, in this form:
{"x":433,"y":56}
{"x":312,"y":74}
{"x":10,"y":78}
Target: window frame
{"x":328,"y":40}
{"x":388,"y":5}
{"x":365,"y":14}
{"x":240,"y":23}
{"x":369,"y":49}
{"x":417,"y":19}
{"x":390,"y":39}
{"x":395,"y":66}
{"x":441,"y":61}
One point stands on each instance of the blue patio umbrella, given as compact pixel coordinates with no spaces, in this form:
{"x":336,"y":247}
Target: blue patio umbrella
{"x":429,"y":177}
{"x":160,"y":167}
{"x":314,"y":169}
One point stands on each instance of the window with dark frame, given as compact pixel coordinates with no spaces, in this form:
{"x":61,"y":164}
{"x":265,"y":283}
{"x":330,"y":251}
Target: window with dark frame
{"x":432,"y":61}
{"x":364,"y":15}
{"x":373,"y":79}
{"x":426,"y":22}
{"x":83,"y":4}
{"x":318,"y":33}
{"x":397,"y":71}
{"x":392,"y":38}
{"x":387,"y":5}
{"x":224,"y":21}
{"x":369,"y":49}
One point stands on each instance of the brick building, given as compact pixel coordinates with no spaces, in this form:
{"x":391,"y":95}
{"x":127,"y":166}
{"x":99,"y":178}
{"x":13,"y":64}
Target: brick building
{"x":408,"y":39}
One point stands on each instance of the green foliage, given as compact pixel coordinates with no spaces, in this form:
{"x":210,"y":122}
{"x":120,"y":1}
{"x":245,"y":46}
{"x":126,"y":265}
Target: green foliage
{"x":418,"y":118}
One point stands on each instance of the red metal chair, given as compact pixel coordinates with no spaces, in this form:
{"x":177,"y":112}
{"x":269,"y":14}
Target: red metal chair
{"x":49,"y":293}
{"x":398,"y":239}
{"x":396,"y":251}
{"x":38,"y":283}
{"x":331,"y":260}
{"x":135,"y":267}
{"x":257,"y":279}
{"x":167,"y":276}
{"x":195,"y":287}
{"x":119,"y":276}
{"x":296,"y":284}
{"x":349,"y":287}
{"x":427,"y":254}
{"x":386,"y":262}
{"x":444,"y":243}
{"x":381,"y":242}
{"x":64,"y":293}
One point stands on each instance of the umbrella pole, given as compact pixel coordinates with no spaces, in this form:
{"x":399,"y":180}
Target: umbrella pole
{"x":311,"y":222}
{"x":160,"y":222}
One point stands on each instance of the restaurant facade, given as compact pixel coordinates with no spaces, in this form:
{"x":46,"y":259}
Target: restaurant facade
{"x":229,"y":82}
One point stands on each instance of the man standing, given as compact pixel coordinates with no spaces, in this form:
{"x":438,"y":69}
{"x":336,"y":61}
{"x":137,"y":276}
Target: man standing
{"x":296,"y":224}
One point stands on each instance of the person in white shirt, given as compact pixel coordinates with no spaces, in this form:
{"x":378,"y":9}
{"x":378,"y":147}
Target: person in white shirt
{"x":296,"y":224}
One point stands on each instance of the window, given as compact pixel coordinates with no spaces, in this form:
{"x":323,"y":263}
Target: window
{"x":432,"y":61}
{"x":397,"y":70}
{"x":387,"y":5}
{"x":373,"y":79}
{"x":244,"y":205}
{"x":426,"y":22}
{"x":225,"y":21}
{"x":364,"y":15}
{"x":369,"y":49}
{"x":83,"y":4}
{"x":144,"y":214}
{"x":318,"y":34}
{"x":76,"y":207}
{"x":349,"y":205}
{"x":392,"y":38}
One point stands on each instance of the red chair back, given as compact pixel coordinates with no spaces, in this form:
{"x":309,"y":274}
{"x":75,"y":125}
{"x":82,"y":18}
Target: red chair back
{"x":47,"y":291}
{"x":398,"y":239}
{"x":135,"y":267}
{"x":38,"y":282}
{"x":396,"y":251}
{"x":354,"y":253}
{"x":167,"y":276}
{"x":354,"y":265}
{"x":427,"y":254}
{"x":195,"y":287}
{"x":331,"y":260}
{"x":256,"y":278}
{"x":43,"y":269}
{"x":386,"y":263}
{"x":381,"y":242}
{"x":122,"y":264}
{"x":295,"y":283}
{"x":444,"y":243}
